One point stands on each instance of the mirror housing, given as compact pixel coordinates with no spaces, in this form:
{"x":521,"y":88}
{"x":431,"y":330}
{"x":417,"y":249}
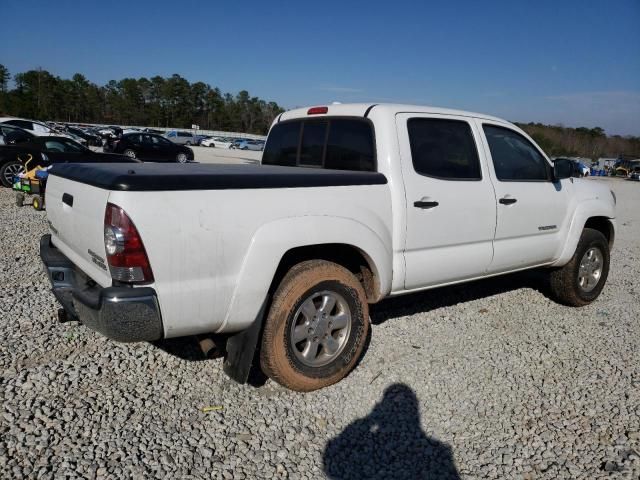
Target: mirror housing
{"x":562,"y":168}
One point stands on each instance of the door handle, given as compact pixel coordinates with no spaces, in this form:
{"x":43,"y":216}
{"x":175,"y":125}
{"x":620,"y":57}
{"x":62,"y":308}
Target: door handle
{"x":67,"y":199}
{"x":507,"y":201}
{"x":425,"y":205}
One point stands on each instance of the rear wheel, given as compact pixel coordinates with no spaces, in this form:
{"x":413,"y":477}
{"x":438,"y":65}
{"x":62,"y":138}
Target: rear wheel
{"x":316,"y":328}
{"x":581,"y":280}
{"x":130,"y":153}
{"x":8,"y":171}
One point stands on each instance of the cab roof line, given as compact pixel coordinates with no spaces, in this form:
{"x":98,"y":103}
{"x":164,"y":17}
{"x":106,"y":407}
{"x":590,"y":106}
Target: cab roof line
{"x":366,"y":113}
{"x":279,"y":116}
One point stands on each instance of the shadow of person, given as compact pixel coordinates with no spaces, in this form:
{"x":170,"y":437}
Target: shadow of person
{"x":389,"y":443}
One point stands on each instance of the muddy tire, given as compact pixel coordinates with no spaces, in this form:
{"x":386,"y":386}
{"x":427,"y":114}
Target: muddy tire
{"x":581,"y":280}
{"x":316,"y":328}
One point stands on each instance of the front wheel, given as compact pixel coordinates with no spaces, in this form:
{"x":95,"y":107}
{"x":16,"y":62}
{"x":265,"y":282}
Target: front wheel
{"x":581,"y":280}
{"x":181,"y":158}
{"x":316,"y":328}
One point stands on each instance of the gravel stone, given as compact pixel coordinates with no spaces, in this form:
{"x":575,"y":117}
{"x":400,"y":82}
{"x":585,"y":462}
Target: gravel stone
{"x":486,"y":380}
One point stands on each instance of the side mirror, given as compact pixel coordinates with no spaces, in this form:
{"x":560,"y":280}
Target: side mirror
{"x":562,"y":168}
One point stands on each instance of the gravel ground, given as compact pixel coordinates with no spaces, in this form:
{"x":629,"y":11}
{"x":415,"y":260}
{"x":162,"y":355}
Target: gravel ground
{"x":488,"y":380}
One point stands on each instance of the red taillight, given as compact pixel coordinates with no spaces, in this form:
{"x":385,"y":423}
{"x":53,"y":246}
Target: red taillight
{"x":317,"y":110}
{"x":127,"y":258}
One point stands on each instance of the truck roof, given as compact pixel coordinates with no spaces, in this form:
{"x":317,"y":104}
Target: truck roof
{"x":360,"y":109}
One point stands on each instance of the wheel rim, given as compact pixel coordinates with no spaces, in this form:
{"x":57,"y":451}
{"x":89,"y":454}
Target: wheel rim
{"x":11,"y":171}
{"x":182,"y":158}
{"x":320,"y":328}
{"x":130,"y":154}
{"x":590,"y":270}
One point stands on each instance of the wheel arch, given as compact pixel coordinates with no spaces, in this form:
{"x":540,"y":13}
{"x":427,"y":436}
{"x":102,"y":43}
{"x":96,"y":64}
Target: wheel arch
{"x":349,"y":256}
{"x":604,"y":226}
{"x":278,"y":245}
{"x":588,"y":215}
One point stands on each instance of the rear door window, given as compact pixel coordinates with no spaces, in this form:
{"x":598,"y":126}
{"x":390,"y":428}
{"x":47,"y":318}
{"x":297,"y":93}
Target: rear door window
{"x":443,"y":149}
{"x":336,"y":143}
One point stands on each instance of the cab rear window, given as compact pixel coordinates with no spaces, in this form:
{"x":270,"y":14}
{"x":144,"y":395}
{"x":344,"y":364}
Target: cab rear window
{"x":333,"y":143}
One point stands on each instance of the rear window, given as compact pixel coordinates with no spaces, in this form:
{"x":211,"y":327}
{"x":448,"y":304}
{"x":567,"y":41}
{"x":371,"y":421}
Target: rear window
{"x":336,"y":143}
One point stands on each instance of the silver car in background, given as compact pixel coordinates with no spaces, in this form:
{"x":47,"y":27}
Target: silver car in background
{"x":181,"y":137}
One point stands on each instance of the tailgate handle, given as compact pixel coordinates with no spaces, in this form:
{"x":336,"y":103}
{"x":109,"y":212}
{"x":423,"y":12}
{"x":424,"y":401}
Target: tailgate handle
{"x":68,"y":199}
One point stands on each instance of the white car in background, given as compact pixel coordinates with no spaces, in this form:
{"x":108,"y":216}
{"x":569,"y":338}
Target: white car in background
{"x":31,"y":126}
{"x":218,"y":142}
{"x":37,"y":128}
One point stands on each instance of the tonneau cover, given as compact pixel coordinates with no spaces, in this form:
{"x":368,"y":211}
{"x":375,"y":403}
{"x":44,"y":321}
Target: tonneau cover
{"x":198,"y":176}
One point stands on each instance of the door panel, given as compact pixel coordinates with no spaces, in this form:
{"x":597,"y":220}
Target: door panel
{"x":532,"y":209}
{"x":450,"y":219}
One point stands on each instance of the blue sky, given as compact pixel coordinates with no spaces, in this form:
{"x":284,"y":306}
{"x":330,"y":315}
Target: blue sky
{"x":564,"y":61}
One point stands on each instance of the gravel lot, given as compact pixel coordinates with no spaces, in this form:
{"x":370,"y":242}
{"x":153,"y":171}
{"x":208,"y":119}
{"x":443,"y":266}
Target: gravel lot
{"x":488,"y":380}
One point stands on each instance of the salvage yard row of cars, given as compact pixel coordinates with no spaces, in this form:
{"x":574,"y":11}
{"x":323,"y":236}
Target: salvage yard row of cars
{"x":42,"y":144}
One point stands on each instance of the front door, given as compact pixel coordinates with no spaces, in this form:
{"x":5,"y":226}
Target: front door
{"x":450,"y":202}
{"x":532,"y":208}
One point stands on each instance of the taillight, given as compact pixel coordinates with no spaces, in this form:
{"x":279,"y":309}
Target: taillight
{"x":126,"y":256}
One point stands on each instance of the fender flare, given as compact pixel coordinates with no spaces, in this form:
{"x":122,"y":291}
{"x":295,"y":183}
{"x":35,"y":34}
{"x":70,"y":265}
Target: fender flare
{"x":584,"y":211}
{"x":273,"y":240}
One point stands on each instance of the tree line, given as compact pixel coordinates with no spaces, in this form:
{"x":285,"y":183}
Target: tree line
{"x":584,"y":142}
{"x":153,"y":102}
{"x":175,"y":102}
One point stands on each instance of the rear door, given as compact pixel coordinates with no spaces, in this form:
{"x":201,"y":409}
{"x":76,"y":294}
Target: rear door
{"x":451,"y":206}
{"x":532,"y":209}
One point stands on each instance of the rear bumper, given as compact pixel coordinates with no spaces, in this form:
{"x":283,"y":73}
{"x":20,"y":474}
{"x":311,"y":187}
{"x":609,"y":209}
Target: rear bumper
{"x":124,"y":314}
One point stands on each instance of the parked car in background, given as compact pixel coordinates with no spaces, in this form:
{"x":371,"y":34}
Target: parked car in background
{"x":181,"y":137}
{"x":201,"y":138}
{"x":257,"y":145}
{"x":218,"y":142}
{"x":582,"y":169}
{"x":10,"y":135}
{"x":31,"y":126}
{"x":152,"y":130}
{"x":150,"y":147}
{"x":46,"y":150}
{"x":91,"y":139}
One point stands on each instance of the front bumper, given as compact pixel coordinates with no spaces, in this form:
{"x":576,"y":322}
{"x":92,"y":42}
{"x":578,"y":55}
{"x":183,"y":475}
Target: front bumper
{"x":124,"y":314}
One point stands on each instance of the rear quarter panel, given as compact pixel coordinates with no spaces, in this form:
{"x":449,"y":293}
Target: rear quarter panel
{"x":214,"y":252}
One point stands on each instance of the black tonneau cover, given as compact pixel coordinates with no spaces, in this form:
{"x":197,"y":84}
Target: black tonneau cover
{"x":144,"y":177}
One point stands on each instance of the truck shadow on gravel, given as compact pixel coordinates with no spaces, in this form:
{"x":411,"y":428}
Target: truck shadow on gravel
{"x":448,"y":296}
{"x":389,"y":443}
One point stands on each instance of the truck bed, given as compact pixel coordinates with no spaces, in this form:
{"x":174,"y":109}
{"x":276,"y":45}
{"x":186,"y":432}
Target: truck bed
{"x":170,"y":177}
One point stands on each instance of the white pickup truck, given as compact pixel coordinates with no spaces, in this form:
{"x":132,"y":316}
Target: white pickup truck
{"x":352,"y":204}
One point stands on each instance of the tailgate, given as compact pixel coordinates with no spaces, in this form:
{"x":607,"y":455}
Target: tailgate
{"x":76,"y":217}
